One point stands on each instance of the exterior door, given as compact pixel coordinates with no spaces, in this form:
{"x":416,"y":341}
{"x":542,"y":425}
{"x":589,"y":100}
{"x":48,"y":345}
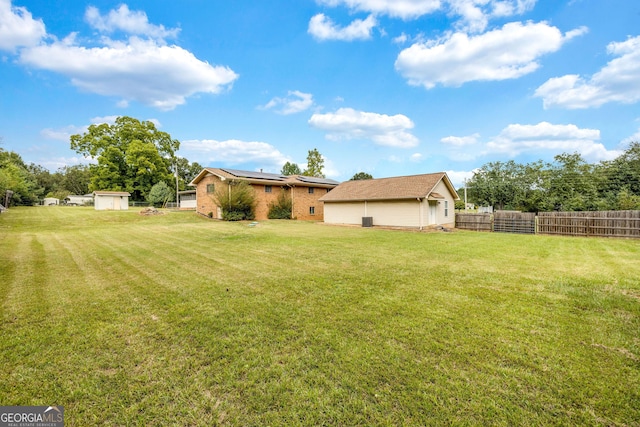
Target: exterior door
{"x":433,"y":212}
{"x":116,"y":203}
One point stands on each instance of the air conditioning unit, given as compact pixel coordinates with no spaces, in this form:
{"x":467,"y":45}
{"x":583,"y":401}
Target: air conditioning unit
{"x":367,"y":221}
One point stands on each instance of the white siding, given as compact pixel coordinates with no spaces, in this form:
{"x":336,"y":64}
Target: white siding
{"x":188,"y":204}
{"x":388,"y":213}
{"x":396,"y":214}
{"x":109,"y":203}
{"x":344,"y":213}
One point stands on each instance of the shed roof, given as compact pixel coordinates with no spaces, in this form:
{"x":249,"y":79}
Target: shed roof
{"x":111,"y":193}
{"x":265,"y":178}
{"x":394,"y":188}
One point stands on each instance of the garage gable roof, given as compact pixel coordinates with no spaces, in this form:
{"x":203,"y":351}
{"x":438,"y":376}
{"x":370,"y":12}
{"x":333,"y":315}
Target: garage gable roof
{"x":395,"y":188}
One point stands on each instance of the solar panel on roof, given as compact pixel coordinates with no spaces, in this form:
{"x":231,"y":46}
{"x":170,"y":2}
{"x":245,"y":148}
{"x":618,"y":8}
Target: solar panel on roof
{"x":255,"y":175}
{"x":314,"y":180}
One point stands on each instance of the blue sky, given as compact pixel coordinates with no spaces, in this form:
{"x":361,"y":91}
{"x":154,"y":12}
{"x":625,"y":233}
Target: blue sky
{"x":388,"y":87}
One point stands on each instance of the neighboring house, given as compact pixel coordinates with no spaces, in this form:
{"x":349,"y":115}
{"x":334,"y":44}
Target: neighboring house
{"x":75,"y":200}
{"x":187,"y":199}
{"x":305,"y":191}
{"x":50,"y":201}
{"x":111,"y":200}
{"x":406,"y":201}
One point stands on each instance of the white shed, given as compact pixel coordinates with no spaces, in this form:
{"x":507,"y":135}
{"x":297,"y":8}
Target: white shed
{"x":50,"y":201}
{"x":415,"y":201}
{"x":111,"y":200}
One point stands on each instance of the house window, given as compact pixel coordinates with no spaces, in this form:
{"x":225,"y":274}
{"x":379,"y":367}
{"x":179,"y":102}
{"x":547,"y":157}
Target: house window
{"x":211,"y":188}
{"x":312,"y":210}
{"x":267,"y":189}
{"x":311,"y":190}
{"x":446,"y":208}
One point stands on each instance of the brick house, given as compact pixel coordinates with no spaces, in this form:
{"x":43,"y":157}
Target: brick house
{"x":305,"y":191}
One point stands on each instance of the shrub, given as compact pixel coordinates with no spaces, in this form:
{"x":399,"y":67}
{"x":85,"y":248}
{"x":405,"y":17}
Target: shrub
{"x":281,"y":209}
{"x":237,"y":201}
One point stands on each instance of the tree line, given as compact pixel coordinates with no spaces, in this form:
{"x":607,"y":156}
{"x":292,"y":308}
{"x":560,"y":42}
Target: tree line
{"x":568,"y":183}
{"x":130,"y":155}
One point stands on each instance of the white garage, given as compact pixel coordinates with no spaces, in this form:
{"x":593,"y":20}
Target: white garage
{"x":416,"y":201}
{"x":111,"y":200}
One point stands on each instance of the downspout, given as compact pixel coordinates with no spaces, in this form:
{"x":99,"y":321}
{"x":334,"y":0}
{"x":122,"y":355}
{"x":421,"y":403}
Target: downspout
{"x":420,"y":213}
{"x":292,"y":204}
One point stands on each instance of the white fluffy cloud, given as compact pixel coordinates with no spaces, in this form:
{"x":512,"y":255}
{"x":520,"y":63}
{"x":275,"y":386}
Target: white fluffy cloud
{"x":234,"y":151}
{"x":64,"y":133}
{"x":347,"y":123}
{"x":405,"y":9}
{"x":633,"y":138}
{"x":53,"y":163}
{"x":618,"y":81}
{"x":475,"y":14}
{"x":18,"y":28}
{"x":135,"y":70}
{"x":323,"y":28}
{"x":461,"y":141}
{"x":516,"y":139}
{"x":140,"y":68}
{"x":458,"y":177}
{"x":130,"y":22}
{"x":506,"y":53}
{"x":294,"y":102}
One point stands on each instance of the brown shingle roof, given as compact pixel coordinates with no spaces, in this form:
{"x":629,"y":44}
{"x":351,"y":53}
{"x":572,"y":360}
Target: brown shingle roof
{"x":395,"y":188}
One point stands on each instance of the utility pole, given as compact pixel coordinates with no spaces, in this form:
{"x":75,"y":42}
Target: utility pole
{"x":177,"y":200}
{"x":465,"y":194}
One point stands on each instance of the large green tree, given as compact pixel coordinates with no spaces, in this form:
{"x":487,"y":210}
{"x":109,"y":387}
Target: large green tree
{"x":497,"y":184}
{"x":572,"y":186}
{"x":131,"y":155}
{"x":361,"y":176}
{"x":291,"y":169}
{"x":16,"y":176}
{"x":620,"y":176}
{"x":315,"y":164}
{"x":75,"y":179}
{"x":186,"y":172}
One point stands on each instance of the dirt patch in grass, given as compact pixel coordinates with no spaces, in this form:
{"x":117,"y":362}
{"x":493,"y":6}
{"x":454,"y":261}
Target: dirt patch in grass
{"x":150,"y":211}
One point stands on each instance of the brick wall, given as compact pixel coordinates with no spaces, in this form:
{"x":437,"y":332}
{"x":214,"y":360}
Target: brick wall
{"x":205,"y":201}
{"x":302,"y":199}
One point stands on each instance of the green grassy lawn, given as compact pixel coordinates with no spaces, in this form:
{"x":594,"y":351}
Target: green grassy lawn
{"x":179,"y":320}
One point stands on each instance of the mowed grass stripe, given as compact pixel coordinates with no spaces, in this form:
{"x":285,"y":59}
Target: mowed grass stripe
{"x":346,"y":326}
{"x":127,"y":343}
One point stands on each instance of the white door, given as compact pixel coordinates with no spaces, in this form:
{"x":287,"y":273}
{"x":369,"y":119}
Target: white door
{"x":433,"y":212}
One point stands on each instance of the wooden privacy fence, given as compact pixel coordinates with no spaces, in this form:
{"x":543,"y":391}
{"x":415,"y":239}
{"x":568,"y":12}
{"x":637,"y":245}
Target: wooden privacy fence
{"x":597,"y":224}
{"x":600,"y":224}
{"x":474,"y":221}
